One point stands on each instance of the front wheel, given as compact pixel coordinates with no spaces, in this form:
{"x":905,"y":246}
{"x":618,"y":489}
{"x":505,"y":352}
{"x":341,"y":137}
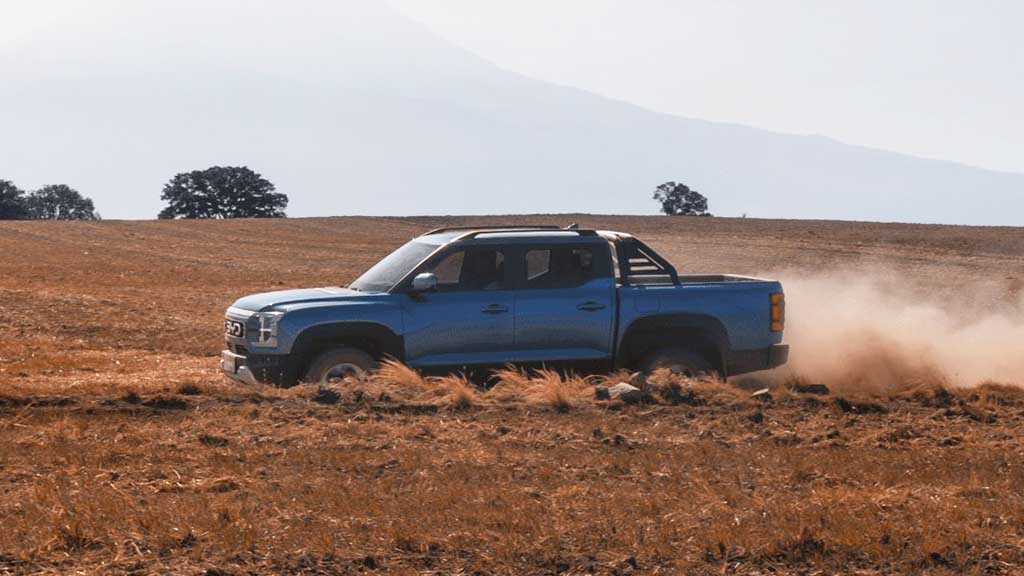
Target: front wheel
{"x":338,"y":364}
{"x":678,"y":360}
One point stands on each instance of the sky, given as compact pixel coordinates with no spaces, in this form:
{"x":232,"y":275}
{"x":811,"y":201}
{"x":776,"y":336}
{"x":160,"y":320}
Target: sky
{"x":339,"y":102}
{"x":940,"y":79}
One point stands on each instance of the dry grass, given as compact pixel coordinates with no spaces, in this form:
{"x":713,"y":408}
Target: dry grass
{"x":277,"y":481}
{"x":540,"y":388}
{"x":400,"y":376}
{"x":123,"y":451}
{"x":511,"y":385}
{"x":454,"y":389}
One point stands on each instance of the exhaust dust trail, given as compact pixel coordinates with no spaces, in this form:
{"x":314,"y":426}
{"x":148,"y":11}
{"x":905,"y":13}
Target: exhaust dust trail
{"x":870,"y":331}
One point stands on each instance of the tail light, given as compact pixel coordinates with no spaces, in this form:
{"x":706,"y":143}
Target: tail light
{"x":778,"y":311}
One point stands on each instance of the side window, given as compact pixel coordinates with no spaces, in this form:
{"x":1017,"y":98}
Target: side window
{"x":538,"y":263}
{"x":448,"y":269}
{"x":470,"y":269}
{"x":562,"y":267}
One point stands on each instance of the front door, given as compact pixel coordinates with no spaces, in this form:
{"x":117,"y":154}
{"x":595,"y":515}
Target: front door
{"x":565,"y":307}
{"x":469,"y":319}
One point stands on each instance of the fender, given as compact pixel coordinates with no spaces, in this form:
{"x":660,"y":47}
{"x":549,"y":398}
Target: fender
{"x":374,"y":338}
{"x":706,"y":334}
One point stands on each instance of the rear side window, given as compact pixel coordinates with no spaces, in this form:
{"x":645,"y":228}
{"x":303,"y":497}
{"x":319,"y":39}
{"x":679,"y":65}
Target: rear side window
{"x":472,"y":269}
{"x":564,"y":266}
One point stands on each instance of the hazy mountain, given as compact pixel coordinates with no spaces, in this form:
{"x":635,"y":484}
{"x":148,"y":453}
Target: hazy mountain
{"x":352,"y":109}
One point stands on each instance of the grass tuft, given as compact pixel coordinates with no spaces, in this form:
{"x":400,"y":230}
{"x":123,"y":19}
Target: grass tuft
{"x":400,"y":376}
{"x":454,"y":389}
{"x":551,"y":389}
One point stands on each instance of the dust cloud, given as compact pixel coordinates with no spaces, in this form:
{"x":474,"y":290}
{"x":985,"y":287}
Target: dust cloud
{"x":875,"y":331}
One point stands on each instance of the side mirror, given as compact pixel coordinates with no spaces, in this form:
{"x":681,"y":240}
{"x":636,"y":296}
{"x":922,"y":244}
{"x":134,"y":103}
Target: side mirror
{"x":425,"y":282}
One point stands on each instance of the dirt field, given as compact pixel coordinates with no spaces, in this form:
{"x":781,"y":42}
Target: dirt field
{"x":122,"y":450}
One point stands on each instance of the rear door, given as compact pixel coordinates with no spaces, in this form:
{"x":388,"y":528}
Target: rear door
{"x":565,"y":302}
{"x":470,"y":318}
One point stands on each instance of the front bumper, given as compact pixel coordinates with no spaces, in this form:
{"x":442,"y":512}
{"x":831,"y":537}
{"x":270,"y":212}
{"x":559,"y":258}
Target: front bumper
{"x":233,"y":366}
{"x":276,"y":370}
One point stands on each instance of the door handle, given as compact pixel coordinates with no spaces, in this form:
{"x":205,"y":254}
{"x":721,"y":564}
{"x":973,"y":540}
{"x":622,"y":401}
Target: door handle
{"x":494,"y":309}
{"x":590,"y":306}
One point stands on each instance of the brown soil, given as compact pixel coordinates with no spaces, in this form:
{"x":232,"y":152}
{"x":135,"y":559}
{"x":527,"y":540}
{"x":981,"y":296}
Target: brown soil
{"x":123,"y":450}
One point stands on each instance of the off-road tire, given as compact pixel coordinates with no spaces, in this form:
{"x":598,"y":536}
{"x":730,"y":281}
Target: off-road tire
{"x":334,"y":358}
{"x":687,"y":362}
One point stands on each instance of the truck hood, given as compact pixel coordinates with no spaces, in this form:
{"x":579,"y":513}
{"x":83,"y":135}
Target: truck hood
{"x":264,"y":300}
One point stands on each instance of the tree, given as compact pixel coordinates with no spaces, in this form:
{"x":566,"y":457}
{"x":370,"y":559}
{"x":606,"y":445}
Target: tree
{"x":221,"y":192}
{"x":59,"y":202}
{"x":12,"y":202}
{"x":678,"y":200}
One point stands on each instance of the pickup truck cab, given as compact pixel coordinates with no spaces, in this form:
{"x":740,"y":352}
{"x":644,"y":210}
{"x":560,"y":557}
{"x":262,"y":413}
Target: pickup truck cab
{"x":458,"y":298}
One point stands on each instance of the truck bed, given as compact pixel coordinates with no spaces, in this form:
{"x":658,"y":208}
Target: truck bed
{"x":716,"y":279}
{"x":740,"y":304}
{"x":656,"y":279}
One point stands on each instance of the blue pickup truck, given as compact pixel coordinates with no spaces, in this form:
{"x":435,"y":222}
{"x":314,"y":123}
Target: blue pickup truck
{"x":457,"y":298}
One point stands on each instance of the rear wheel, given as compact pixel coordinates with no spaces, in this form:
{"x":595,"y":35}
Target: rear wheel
{"x":338,"y":364}
{"x":679,"y":360}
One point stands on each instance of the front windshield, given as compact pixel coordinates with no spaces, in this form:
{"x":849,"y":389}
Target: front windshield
{"x":393,"y":267}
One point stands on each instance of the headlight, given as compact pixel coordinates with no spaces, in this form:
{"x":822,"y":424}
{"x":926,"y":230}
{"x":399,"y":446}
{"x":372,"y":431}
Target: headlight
{"x":267,"y":334}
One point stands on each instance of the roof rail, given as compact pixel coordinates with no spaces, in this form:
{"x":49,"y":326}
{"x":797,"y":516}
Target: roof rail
{"x":472,"y":233}
{"x":494,"y":227}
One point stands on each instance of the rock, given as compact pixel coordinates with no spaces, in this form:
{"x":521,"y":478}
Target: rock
{"x":601,"y":393}
{"x":764,"y":395}
{"x":939,"y":560}
{"x":638,"y":379}
{"x":326,"y":396}
{"x":951,"y":441}
{"x":859,"y":406}
{"x":625,"y":392}
{"x":616,"y":440}
{"x":674,"y":393}
{"x":213,"y":440}
{"x":818,"y":389}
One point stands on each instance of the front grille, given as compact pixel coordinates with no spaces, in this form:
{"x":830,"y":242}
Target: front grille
{"x":239,"y":349}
